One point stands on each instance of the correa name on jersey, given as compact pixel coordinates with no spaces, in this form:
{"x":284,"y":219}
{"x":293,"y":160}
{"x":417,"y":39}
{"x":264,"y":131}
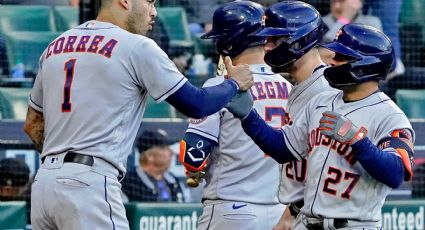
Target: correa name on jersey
{"x":87,"y":43}
{"x":269,"y":90}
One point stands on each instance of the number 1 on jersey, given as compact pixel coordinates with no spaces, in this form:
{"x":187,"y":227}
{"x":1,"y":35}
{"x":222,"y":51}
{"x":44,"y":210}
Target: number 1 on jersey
{"x":69,"y":75}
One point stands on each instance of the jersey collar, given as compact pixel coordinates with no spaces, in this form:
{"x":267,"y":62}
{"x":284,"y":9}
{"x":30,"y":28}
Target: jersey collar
{"x":262,"y":69}
{"x":93,"y":24}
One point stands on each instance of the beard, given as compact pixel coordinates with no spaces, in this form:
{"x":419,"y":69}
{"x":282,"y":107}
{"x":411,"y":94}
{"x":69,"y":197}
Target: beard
{"x":135,"y":22}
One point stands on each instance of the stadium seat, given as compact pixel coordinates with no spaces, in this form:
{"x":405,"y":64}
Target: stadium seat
{"x":26,"y":47}
{"x":66,"y":17}
{"x":25,"y":18}
{"x":412,"y":102}
{"x":205,"y":47}
{"x":175,"y":21}
{"x":412,"y":11}
{"x":14,"y":102}
{"x":159,"y":110}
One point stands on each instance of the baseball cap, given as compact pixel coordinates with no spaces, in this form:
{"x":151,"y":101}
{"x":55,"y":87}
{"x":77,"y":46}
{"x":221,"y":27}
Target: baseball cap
{"x":152,"y":138}
{"x":13,"y":172}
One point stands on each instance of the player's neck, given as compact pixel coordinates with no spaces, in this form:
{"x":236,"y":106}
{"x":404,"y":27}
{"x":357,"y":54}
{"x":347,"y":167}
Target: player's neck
{"x":109,"y":16}
{"x":358,"y":92}
{"x":304,"y":67}
{"x":250,"y":56}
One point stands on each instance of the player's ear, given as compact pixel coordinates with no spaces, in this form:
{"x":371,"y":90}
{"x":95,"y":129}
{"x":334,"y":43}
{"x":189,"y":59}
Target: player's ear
{"x":125,"y":3}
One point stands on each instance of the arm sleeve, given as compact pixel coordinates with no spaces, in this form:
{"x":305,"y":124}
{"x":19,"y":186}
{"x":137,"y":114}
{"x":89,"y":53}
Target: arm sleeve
{"x":154,"y":71}
{"x":197,"y":103}
{"x":384,"y":166}
{"x":35,"y":99}
{"x":208,"y":127}
{"x":270,"y":140}
{"x":195,"y":150}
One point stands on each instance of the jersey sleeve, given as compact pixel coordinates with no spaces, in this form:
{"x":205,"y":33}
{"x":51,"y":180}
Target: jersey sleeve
{"x":397,"y":137}
{"x":155,"y":71}
{"x":208,"y":127}
{"x":35,"y":99}
{"x":296,"y":135}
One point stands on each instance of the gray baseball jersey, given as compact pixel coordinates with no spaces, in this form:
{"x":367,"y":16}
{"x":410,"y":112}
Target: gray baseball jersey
{"x":292,"y":184}
{"x":238,"y":170}
{"x":342,"y":187}
{"x":92,"y":89}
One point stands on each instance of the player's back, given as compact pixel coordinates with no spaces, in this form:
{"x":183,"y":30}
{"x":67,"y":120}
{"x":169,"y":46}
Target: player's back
{"x":238,"y":170}
{"x":93,"y":97}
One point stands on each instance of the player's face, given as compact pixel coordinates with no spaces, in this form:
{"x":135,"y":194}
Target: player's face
{"x":142,"y":16}
{"x":273,"y":42}
{"x":326,"y":55}
{"x":338,"y":59}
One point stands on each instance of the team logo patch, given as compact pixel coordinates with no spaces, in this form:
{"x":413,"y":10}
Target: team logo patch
{"x":263,"y":20}
{"x":197,"y":121}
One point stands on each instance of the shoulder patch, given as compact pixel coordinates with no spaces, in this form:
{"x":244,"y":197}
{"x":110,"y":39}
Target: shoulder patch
{"x":402,"y":133}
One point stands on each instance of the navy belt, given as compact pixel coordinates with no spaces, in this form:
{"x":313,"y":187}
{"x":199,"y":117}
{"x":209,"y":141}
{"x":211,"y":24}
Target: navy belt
{"x":338,"y":223}
{"x":73,"y":157}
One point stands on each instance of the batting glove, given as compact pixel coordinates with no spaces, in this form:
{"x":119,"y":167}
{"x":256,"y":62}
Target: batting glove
{"x":340,"y":128}
{"x":194,"y":178}
{"x":241,"y":105}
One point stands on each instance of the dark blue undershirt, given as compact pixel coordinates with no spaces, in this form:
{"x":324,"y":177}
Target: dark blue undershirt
{"x":269,"y":139}
{"x":197,"y":103}
{"x":385,"y":167}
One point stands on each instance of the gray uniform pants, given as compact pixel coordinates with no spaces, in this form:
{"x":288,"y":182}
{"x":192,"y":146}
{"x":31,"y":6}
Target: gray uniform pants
{"x":71,"y":196}
{"x":229,"y":215}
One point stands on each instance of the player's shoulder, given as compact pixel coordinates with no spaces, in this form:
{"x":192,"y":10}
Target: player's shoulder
{"x":326,"y":95}
{"x":390,"y":105}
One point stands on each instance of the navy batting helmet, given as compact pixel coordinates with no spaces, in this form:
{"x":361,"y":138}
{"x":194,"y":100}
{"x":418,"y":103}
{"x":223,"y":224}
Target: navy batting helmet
{"x":369,"y":52}
{"x":234,"y":25}
{"x":302,"y":25}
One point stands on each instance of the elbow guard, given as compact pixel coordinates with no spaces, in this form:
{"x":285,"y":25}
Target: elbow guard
{"x":194,"y":151}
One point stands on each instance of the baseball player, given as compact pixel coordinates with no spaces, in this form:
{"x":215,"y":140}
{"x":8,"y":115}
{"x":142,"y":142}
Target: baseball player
{"x":86,"y":106}
{"x":241,"y":181}
{"x":305,"y":67}
{"x":357,"y":140}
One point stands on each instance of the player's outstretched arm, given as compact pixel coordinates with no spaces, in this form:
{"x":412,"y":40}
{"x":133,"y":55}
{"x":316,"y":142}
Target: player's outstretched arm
{"x":390,"y":163}
{"x":34,"y":127}
{"x":197,"y":103}
{"x":194,"y":153}
{"x":270,"y":140}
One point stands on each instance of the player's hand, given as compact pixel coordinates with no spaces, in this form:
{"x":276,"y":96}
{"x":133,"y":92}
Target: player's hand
{"x":340,"y":128}
{"x":240,"y":105}
{"x":194,"y":161}
{"x":194,"y":178}
{"x":240,"y":73}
